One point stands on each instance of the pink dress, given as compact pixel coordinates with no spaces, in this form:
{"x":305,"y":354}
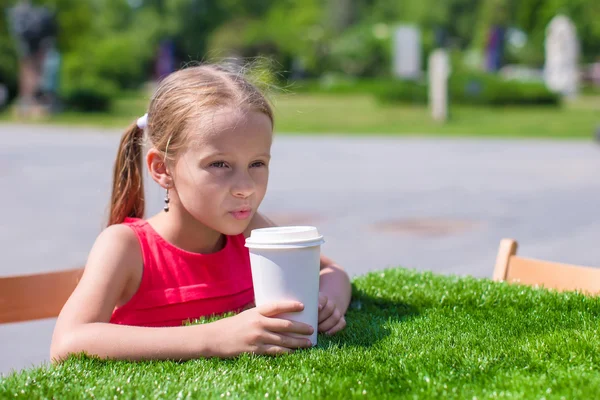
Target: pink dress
{"x":178,"y":285}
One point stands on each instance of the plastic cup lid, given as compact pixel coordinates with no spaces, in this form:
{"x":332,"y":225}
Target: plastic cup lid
{"x":285,"y":236}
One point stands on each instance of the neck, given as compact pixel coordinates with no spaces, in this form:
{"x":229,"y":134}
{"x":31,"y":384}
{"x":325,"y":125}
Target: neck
{"x":185,"y":232}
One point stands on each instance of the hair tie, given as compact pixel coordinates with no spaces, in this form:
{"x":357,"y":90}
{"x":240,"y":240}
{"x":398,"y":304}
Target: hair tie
{"x":142,"y":121}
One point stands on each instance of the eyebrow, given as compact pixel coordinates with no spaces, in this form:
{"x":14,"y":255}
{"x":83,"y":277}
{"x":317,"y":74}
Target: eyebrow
{"x":221,"y":154}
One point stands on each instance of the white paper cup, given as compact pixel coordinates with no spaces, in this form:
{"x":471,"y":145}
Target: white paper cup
{"x":285,"y":265}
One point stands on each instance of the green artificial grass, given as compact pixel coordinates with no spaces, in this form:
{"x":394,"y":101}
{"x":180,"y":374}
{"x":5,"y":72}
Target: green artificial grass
{"x":352,"y":114}
{"x":409,"y":334}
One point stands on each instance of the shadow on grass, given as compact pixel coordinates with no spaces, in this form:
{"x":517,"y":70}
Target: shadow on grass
{"x":368,"y":320}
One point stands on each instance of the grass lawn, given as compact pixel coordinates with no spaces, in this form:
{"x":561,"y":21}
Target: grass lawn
{"x":362,"y":114}
{"x":409,"y":334}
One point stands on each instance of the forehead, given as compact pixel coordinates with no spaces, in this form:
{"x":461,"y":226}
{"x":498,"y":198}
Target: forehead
{"x":225,"y":128}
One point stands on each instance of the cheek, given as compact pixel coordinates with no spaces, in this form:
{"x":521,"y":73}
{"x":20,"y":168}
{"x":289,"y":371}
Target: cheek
{"x":199,"y":189}
{"x":261,"y":180}
{"x":203,"y":202}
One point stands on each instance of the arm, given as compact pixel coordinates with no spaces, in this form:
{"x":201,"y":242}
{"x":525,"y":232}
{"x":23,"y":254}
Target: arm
{"x":334,"y":285}
{"x":111,"y":276}
{"x":83,"y":324}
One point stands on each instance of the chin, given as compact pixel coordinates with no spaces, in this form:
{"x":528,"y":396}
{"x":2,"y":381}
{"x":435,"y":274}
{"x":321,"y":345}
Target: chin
{"x":234,"y":229}
{"x":233,"y":232}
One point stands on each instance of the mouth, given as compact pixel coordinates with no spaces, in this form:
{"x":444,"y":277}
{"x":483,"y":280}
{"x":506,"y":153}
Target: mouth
{"x":241,"y":213}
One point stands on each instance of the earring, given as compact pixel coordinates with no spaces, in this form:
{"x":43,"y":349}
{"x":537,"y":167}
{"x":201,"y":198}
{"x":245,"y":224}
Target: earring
{"x":167,"y":201}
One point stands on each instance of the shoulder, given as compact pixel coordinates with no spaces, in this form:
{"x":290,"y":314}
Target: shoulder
{"x":118,"y":236}
{"x":258,"y":221}
{"x":116,"y":251}
{"x":113,"y":263}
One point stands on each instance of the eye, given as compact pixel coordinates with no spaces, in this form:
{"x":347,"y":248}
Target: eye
{"x":219,"y":164}
{"x":257,"y":164}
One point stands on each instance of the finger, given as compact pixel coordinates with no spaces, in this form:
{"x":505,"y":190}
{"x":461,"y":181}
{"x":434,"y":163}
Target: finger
{"x":284,"y":325}
{"x":280,"y":307}
{"x":289,"y":342}
{"x":273,"y":350}
{"x":322,"y":300}
{"x":338,"y":327}
{"x":327,"y":311}
{"x":331,"y":321}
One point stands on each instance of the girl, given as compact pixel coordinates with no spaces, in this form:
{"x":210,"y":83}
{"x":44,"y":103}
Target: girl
{"x":210,"y":134}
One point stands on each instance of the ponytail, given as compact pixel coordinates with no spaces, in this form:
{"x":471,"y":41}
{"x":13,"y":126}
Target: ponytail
{"x":127,"y":198}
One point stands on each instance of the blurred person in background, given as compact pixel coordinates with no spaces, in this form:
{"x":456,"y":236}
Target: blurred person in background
{"x":31,"y":28}
{"x":47,"y":92}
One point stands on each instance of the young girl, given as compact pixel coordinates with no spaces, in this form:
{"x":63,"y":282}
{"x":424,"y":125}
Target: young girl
{"x":210,"y":134}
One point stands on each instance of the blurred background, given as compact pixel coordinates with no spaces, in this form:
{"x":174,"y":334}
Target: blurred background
{"x":73,"y":57}
{"x":413,"y":133}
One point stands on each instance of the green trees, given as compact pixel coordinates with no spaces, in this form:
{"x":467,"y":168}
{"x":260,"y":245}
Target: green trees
{"x":108,"y":45}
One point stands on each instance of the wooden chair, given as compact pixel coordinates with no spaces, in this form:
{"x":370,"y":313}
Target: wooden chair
{"x":562,"y":277}
{"x":38,"y":296}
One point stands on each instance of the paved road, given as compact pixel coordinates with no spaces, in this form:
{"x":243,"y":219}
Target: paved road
{"x":430,"y":204}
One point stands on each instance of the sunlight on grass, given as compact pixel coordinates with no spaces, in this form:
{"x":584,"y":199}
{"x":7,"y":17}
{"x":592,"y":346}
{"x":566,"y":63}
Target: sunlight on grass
{"x":362,"y":114}
{"x":418,"y":335}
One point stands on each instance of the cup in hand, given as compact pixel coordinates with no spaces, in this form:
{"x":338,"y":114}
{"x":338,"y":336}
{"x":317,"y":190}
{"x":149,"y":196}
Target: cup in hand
{"x":285,"y":264}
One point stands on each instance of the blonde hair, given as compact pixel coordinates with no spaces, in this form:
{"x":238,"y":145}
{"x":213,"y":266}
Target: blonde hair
{"x":182,"y":97}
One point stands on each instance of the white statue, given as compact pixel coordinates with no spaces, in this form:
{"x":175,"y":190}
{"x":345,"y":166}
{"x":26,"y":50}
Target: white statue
{"x":561,"y":70}
{"x":407,"y":52}
{"x":439,"y":71}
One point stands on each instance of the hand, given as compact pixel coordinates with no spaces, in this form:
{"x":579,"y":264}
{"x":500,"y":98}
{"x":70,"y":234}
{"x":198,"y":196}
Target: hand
{"x":331,"y":319}
{"x":258,"y":331}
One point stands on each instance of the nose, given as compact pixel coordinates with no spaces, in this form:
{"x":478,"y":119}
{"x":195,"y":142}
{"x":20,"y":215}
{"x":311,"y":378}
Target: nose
{"x":243,"y":186}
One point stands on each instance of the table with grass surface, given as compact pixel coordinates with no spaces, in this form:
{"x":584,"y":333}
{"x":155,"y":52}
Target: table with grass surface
{"x":409,"y":334}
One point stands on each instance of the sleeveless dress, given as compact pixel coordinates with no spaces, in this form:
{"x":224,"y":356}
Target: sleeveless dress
{"x":178,"y":285}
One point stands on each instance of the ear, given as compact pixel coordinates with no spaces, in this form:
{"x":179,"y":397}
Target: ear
{"x":158,"y":168}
